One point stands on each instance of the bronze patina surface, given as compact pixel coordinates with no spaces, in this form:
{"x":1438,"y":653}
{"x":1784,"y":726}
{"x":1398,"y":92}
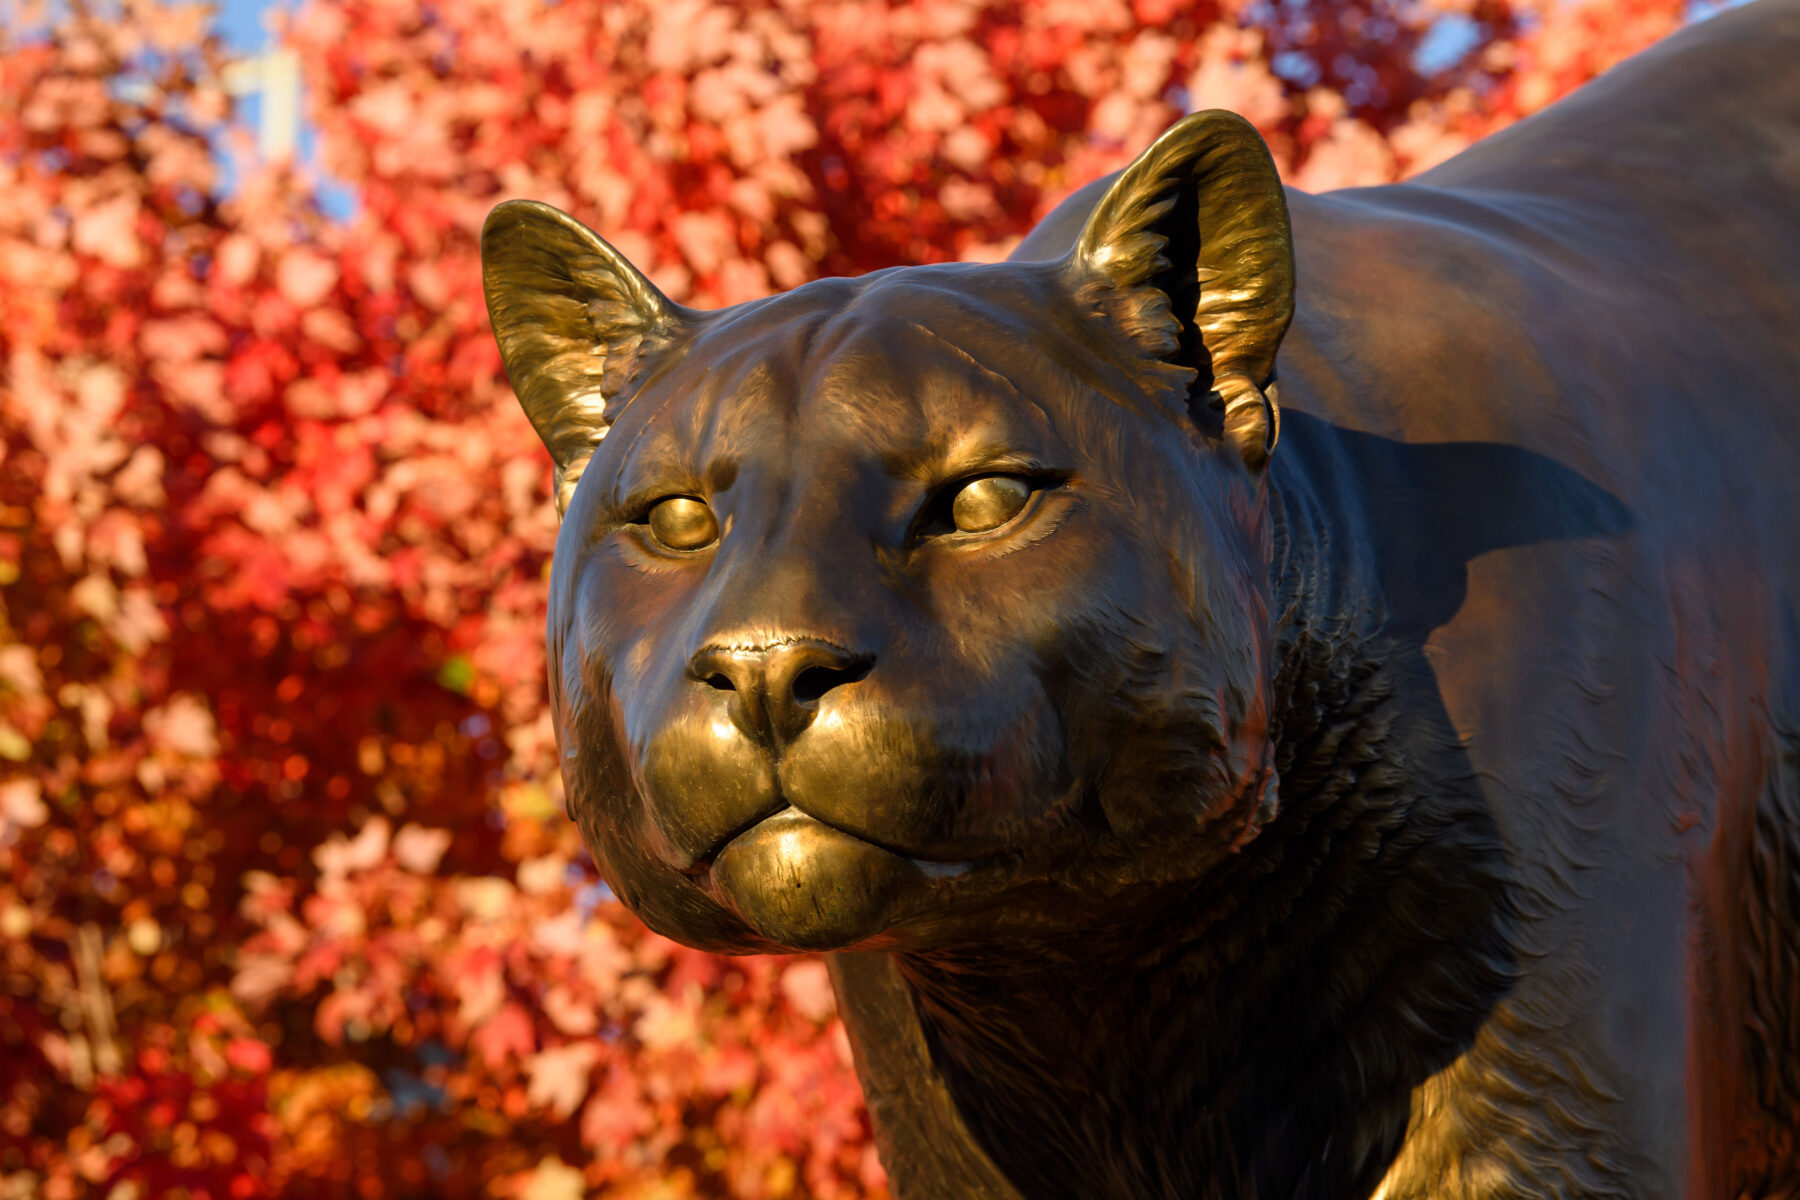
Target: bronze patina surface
{"x":1387,"y":787}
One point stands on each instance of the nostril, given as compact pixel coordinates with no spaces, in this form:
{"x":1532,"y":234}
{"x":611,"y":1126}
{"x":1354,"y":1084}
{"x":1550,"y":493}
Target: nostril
{"x":719,"y":680}
{"x":814,"y":682}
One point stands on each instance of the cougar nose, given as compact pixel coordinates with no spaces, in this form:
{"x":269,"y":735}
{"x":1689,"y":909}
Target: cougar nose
{"x":776,"y":688}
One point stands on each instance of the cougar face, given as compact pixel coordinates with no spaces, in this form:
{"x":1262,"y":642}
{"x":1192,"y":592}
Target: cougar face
{"x":916,"y":607}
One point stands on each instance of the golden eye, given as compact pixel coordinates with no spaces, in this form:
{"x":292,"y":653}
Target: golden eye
{"x":988,"y":503}
{"x":683,"y":523}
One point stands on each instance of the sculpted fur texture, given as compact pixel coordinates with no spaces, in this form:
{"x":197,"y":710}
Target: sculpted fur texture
{"x":1262,"y":695}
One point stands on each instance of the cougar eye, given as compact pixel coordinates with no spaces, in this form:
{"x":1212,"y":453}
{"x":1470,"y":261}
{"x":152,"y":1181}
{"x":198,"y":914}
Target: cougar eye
{"x":988,"y":503}
{"x":683,"y":523}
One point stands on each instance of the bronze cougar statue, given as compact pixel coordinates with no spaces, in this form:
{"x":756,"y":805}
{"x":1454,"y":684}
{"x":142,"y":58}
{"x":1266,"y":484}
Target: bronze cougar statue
{"x":1264,"y":695}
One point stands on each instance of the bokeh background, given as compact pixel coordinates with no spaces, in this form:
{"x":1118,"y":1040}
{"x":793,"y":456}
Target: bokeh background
{"x":288,"y":902}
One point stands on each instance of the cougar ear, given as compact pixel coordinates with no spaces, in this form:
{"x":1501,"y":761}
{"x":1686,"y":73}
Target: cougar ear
{"x":575,"y":323}
{"x":1194,"y":237}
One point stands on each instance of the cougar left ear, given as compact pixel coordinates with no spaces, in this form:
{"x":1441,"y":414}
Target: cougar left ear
{"x":575,"y":322}
{"x":1196,"y":233}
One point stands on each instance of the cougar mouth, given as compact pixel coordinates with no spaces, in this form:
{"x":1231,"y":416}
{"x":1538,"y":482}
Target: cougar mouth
{"x":807,"y":885}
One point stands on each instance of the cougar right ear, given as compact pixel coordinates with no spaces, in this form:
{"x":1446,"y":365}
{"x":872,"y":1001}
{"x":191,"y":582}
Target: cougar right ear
{"x":575,"y":323}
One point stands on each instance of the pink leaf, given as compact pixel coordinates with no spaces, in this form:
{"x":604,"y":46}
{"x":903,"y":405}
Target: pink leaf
{"x":807,"y":986}
{"x":558,"y":1077}
{"x":505,"y":1035}
{"x":305,"y":277}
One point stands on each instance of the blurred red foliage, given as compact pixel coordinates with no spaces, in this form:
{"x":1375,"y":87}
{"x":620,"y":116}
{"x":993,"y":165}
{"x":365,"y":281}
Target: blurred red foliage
{"x":288,"y":905}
